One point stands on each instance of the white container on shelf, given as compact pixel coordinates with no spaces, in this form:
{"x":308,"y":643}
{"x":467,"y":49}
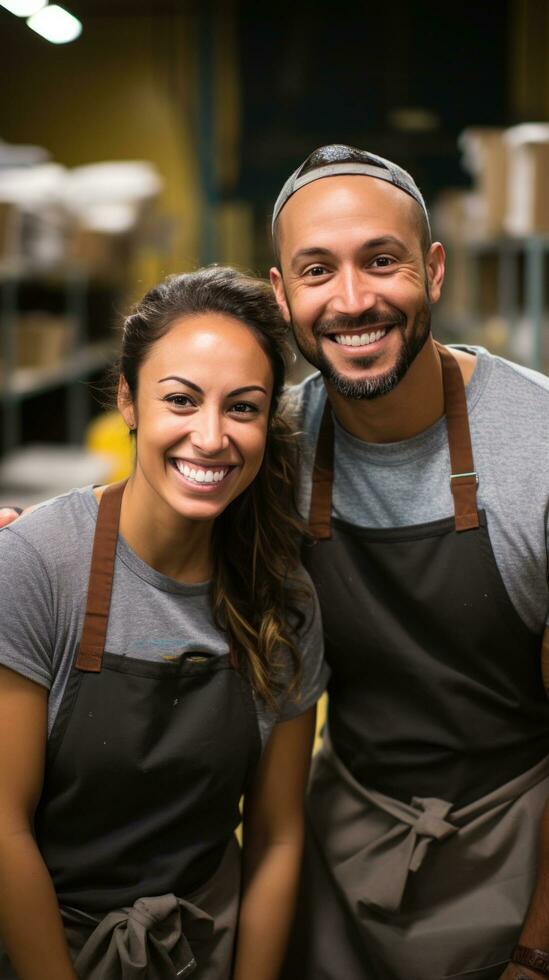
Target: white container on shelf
{"x":37,"y":472}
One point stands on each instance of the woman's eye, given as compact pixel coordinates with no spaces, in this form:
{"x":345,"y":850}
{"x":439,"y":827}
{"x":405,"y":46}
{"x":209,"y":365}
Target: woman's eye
{"x":180,"y":401}
{"x":244,"y":408}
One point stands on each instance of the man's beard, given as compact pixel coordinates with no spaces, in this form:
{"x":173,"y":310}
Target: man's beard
{"x":381,"y":384}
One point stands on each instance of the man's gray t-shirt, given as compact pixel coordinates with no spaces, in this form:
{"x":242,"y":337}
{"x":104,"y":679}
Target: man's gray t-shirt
{"x":44,"y":568}
{"x":406,"y":483}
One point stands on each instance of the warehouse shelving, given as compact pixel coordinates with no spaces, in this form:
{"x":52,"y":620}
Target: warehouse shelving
{"x":82,"y":359}
{"x":518,"y":288}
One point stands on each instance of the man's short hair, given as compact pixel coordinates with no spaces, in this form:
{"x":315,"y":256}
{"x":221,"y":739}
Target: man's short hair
{"x":338,"y":159}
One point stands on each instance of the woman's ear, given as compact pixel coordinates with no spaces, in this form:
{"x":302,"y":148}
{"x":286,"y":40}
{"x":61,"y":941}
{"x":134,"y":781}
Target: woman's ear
{"x":125,"y":404}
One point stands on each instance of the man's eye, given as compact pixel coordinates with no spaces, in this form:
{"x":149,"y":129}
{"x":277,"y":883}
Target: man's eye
{"x":316,"y":270}
{"x":180,"y":401}
{"x":382,"y":261}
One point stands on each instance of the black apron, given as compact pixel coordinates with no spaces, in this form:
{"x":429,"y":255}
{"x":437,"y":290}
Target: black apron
{"x":436,"y":686}
{"x":146,"y":763}
{"x":436,"y":702}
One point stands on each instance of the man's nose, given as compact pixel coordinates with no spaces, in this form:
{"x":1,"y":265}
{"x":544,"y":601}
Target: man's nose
{"x":209,"y":435}
{"x":354,"y":293}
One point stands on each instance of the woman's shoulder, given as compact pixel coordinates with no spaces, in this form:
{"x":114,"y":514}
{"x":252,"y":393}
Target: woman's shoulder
{"x":300,"y":592}
{"x":56,"y":530}
{"x":307,"y":628}
{"x":43,"y":567}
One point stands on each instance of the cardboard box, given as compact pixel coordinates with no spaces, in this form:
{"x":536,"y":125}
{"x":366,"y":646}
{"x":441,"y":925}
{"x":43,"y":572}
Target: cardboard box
{"x":10,"y":231}
{"x":527,"y":210}
{"x":106,"y":257}
{"x":485,"y":158}
{"x":42,"y":340}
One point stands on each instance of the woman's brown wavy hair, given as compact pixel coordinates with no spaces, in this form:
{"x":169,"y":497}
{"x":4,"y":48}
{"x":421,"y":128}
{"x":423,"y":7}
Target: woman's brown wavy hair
{"x":257,"y":594}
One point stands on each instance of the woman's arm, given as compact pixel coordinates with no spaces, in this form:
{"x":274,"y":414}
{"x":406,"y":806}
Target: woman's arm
{"x":30,"y":924}
{"x":273,"y":843}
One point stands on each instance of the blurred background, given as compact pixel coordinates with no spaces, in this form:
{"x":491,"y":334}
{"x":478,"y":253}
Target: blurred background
{"x":156,"y":140}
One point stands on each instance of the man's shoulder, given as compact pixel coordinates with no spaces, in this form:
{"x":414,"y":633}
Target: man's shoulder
{"x":516,"y":393}
{"x":509,"y":414}
{"x":518,"y":374}
{"x":306,"y":399}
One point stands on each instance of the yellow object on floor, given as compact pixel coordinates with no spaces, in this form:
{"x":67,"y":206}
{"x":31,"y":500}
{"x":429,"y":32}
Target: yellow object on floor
{"x":320,"y":719}
{"x":108,"y":434}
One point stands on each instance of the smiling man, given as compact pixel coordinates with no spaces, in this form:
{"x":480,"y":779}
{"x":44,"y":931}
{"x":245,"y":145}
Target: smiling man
{"x":428,"y":504}
{"x":426,"y":486}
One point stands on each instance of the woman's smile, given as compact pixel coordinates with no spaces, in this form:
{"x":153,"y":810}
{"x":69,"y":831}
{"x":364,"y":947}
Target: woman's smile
{"x":203,"y":477}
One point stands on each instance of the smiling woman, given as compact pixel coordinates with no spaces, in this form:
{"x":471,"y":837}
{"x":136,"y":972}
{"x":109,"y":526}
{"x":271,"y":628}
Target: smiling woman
{"x":186,"y":679}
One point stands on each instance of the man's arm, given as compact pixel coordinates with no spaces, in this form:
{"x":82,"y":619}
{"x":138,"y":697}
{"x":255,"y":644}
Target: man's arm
{"x":8,"y":515}
{"x":535,"y":931}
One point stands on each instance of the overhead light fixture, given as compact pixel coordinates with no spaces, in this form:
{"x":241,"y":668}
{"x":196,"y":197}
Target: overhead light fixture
{"x":23,"y":8}
{"x":55,"y":24}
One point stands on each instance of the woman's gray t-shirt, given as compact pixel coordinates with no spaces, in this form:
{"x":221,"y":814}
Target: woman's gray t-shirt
{"x":44,"y":567}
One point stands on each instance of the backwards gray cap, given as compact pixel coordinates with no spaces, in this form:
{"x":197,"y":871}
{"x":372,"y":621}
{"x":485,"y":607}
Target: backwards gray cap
{"x":338,"y":159}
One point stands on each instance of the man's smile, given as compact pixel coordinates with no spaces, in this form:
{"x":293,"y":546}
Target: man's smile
{"x":358,"y":337}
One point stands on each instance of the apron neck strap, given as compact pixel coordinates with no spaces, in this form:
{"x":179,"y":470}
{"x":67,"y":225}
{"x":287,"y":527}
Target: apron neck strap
{"x":463,"y":478}
{"x":320,"y":513}
{"x":96,"y":619}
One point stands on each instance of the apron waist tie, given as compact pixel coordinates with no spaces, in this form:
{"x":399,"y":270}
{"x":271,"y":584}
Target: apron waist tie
{"x":375,"y":875}
{"x":149,"y":940}
{"x":380,"y":869}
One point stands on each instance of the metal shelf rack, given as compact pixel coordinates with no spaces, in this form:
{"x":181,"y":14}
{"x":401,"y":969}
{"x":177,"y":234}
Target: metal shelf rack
{"x":82,"y":358}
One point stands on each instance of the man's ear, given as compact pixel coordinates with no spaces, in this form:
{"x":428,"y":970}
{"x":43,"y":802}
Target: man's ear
{"x":434,"y":265}
{"x":277,"y":283}
{"x":125,"y":404}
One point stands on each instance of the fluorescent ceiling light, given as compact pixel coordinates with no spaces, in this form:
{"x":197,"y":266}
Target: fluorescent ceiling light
{"x":23,"y":8}
{"x":55,"y":24}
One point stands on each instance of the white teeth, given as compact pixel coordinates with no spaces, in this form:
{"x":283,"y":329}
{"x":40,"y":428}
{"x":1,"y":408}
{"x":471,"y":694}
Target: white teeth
{"x":198,"y":475}
{"x":359,"y":340}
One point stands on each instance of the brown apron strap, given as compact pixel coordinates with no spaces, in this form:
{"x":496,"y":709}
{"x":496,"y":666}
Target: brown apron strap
{"x":463,"y":478}
{"x":94,"y":633}
{"x":320,"y":513}
{"x":545,"y":659}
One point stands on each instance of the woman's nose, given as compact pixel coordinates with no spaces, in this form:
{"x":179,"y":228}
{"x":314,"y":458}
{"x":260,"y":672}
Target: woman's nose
{"x":209,"y":434}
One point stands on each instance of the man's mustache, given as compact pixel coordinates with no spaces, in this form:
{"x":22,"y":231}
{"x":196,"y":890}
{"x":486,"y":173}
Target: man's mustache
{"x":370,"y":318}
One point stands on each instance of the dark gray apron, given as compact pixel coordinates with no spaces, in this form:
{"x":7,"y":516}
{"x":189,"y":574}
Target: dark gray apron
{"x":426,"y":797}
{"x":146,"y":765}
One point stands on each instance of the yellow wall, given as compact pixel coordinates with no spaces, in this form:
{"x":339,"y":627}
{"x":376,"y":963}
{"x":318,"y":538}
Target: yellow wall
{"x":125,"y":89}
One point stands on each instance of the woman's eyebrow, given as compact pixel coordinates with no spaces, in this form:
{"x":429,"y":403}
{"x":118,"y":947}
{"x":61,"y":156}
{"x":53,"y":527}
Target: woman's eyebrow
{"x":183,"y":381}
{"x":191,"y":384}
{"x":240,"y":391}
